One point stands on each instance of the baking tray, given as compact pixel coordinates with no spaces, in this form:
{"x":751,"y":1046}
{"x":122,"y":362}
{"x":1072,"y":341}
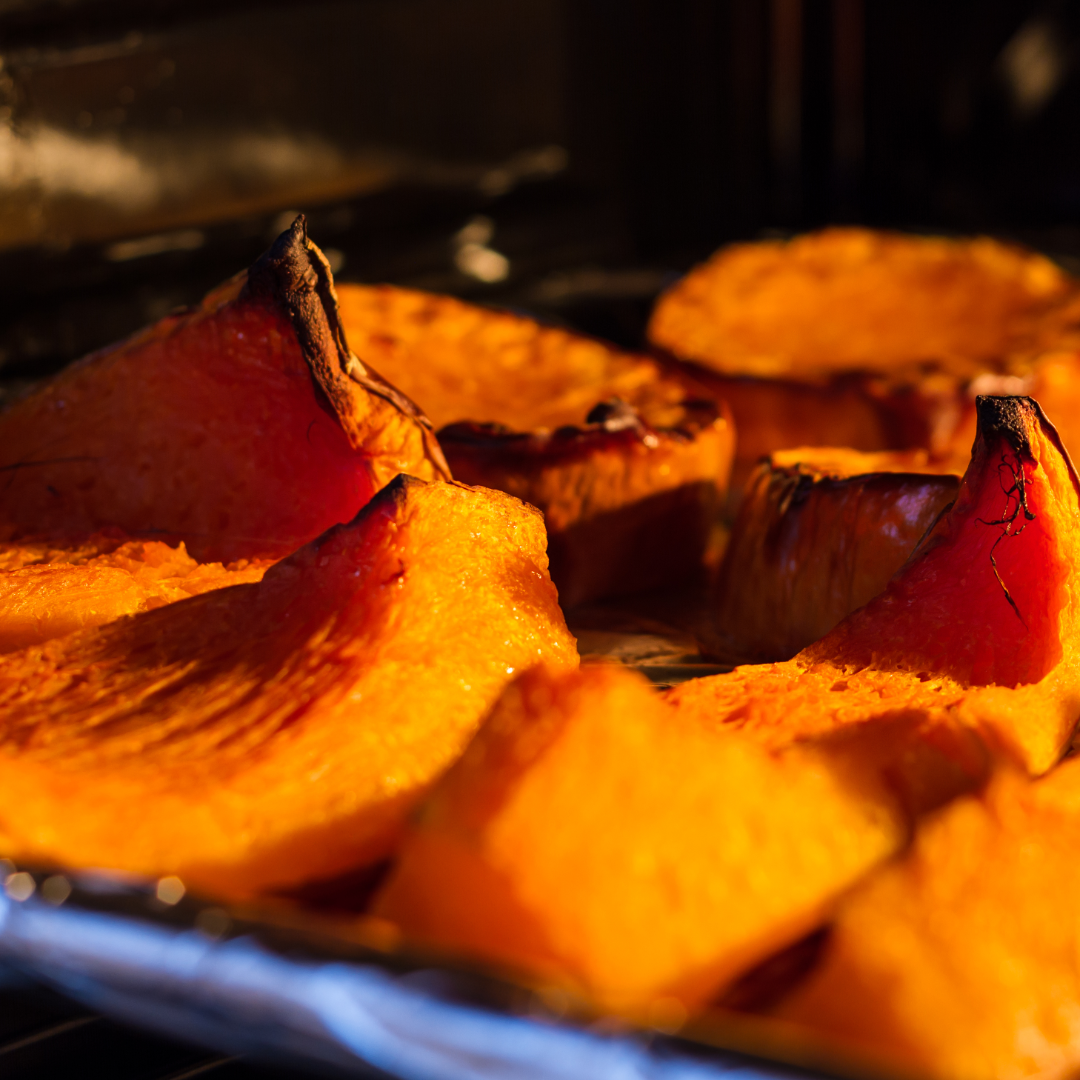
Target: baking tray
{"x":323,"y":995}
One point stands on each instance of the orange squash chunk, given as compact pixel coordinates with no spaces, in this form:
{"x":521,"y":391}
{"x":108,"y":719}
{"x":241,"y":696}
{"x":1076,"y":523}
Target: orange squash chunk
{"x":819,"y":532}
{"x":52,"y":588}
{"x":263,"y":736}
{"x":960,"y":961}
{"x":627,"y":456}
{"x":861,"y":338}
{"x":980,"y":625}
{"x":244,"y":427}
{"x":596,"y":838}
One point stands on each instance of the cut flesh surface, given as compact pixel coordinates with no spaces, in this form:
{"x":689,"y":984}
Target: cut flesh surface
{"x":49,"y":589}
{"x":854,"y":300}
{"x":244,"y":427}
{"x":981,"y":624}
{"x":266,"y":735}
{"x":586,"y":815}
{"x":960,"y":960}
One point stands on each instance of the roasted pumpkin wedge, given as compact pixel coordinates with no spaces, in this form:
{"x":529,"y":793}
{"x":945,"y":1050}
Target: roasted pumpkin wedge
{"x":52,"y":588}
{"x":861,"y":338}
{"x":819,"y":532}
{"x":626,"y":456}
{"x":244,"y":427}
{"x":981,"y":623}
{"x":593,"y":837}
{"x":264,"y":736}
{"x":960,"y":961}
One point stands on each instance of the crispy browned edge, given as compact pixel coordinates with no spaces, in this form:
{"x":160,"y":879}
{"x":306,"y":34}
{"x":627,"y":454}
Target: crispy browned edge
{"x":609,"y":424}
{"x":294,"y":274}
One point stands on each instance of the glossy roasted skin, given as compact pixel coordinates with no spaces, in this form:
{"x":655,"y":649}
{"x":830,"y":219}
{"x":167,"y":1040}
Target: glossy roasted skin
{"x":586,"y":815}
{"x":959,"y":961}
{"x":52,"y":588}
{"x":881,"y":336}
{"x":265,"y":736}
{"x":819,"y":533}
{"x":244,"y":427}
{"x":980,"y":626}
{"x":627,"y":456}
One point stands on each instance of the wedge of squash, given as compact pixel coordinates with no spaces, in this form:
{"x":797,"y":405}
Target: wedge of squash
{"x":595,"y":838}
{"x":867,"y":339}
{"x":244,"y":427}
{"x":717,"y":824}
{"x":52,"y":588}
{"x":960,"y":961}
{"x":627,"y":456}
{"x":819,"y":532}
{"x":268,"y":735}
{"x":981,"y":623}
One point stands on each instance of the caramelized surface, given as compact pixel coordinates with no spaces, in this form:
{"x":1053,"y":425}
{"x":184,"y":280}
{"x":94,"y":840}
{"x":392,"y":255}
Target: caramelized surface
{"x":873,"y":340}
{"x":983,"y":621}
{"x":960,"y":961}
{"x":464,"y":362}
{"x":819,"y":533}
{"x":590,"y":833}
{"x":271,"y":734}
{"x":848,"y":299}
{"x":49,"y":589}
{"x":243,"y":427}
{"x":626,"y":456}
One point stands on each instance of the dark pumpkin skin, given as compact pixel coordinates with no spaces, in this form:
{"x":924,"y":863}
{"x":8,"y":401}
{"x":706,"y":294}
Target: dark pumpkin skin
{"x":814,"y":541}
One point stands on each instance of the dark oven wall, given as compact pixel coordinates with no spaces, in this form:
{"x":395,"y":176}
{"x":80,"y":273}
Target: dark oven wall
{"x":596,"y":147}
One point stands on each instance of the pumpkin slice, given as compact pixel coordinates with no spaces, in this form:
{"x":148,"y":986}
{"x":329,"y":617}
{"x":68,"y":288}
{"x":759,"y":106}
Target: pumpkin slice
{"x":52,"y":588}
{"x":961,"y":960}
{"x":626,"y":456}
{"x":594,"y":837}
{"x":982,"y":623}
{"x":267,"y":735}
{"x":244,"y":427}
{"x":861,"y":338}
{"x":819,"y":533}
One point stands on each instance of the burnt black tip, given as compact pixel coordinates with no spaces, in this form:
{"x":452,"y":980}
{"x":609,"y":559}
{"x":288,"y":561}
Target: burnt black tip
{"x":286,"y":265}
{"x":1006,"y":418}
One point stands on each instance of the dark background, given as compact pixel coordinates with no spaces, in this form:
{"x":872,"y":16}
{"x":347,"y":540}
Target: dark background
{"x":149,"y":149}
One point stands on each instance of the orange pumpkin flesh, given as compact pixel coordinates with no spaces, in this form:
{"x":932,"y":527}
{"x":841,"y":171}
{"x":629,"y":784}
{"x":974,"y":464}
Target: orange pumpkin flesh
{"x":980,"y":625}
{"x":244,"y":427}
{"x":267,"y":735}
{"x":819,"y":532}
{"x":49,"y":589}
{"x":960,"y":961}
{"x":626,"y":456}
{"x":592,"y":837}
{"x":862,"y":338}
{"x":716,"y":825}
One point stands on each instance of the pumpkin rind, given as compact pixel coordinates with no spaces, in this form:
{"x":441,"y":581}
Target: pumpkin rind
{"x":244,"y":427}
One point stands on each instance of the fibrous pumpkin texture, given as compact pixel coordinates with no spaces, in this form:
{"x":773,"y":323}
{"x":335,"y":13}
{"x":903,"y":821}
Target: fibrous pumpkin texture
{"x":868,"y":339}
{"x":592,"y":837}
{"x":52,"y":588}
{"x":960,"y":961}
{"x":272,"y":734}
{"x":819,"y":533}
{"x":981,"y":625}
{"x":626,"y":455}
{"x":244,"y":427}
